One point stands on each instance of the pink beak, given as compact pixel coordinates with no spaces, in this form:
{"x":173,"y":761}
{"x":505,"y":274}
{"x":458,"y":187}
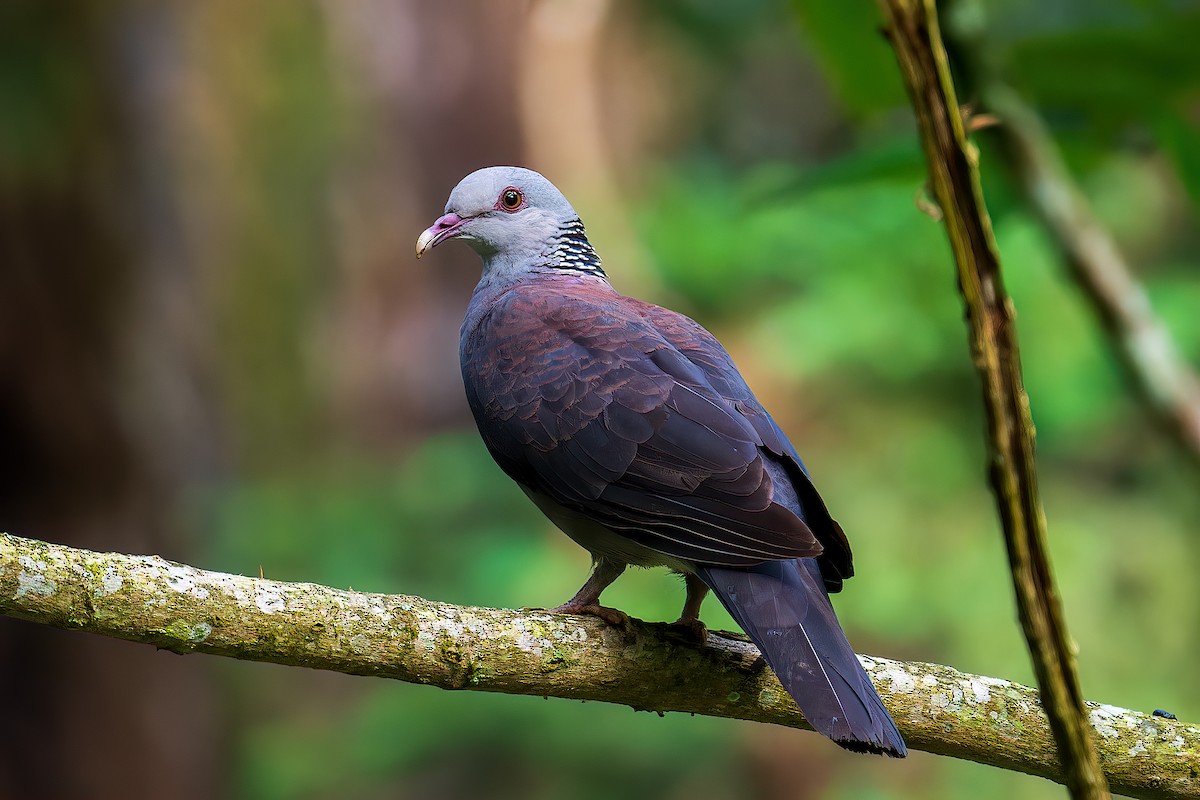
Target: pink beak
{"x":446,"y":227}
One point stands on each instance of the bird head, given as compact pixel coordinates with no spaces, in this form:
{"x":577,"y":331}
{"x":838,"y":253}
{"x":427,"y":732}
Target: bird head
{"x":515,"y":219}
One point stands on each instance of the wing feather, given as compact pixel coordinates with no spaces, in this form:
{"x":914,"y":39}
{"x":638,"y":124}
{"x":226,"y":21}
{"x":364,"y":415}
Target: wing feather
{"x":703,"y":350}
{"x":587,"y":400}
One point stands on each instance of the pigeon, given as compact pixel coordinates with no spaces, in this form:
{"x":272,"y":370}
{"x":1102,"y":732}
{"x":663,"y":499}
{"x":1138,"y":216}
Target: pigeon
{"x":633,"y":431}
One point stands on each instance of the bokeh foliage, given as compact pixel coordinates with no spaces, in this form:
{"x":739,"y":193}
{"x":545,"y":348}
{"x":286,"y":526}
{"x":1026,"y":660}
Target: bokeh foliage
{"x":780,"y":211}
{"x":837,"y":297}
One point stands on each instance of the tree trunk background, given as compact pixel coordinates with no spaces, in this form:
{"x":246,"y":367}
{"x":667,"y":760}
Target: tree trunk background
{"x":72,"y":311}
{"x":129,"y":315}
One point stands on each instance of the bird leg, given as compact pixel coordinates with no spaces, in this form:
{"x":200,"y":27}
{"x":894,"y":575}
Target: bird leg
{"x":587,"y":599}
{"x":689,"y":618}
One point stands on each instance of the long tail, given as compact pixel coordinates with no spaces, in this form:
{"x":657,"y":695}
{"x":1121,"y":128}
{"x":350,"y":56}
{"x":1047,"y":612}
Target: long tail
{"x":783,"y":607}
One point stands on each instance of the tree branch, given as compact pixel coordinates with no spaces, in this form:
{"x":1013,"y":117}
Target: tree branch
{"x":912,"y":26}
{"x":1169,"y":385}
{"x":184,"y":609}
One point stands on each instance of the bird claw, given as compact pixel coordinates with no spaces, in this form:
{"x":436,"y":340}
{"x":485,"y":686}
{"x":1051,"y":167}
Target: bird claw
{"x":692,"y":629}
{"x":613,"y":616}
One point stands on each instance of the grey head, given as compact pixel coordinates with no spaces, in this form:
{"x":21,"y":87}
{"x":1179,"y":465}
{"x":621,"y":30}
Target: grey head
{"x":518,"y":222}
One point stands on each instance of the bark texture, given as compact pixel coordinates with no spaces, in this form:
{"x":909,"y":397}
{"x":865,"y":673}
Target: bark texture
{"x":185,"y":610}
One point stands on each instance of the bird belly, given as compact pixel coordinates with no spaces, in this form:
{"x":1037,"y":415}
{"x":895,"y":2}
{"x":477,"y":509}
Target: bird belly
{"x":602,"y":541}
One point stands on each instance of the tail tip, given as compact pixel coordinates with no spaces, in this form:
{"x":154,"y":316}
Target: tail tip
{"x":891,"y":746}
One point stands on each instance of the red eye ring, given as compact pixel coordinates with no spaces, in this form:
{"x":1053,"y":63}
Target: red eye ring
{"x":511,"y":199}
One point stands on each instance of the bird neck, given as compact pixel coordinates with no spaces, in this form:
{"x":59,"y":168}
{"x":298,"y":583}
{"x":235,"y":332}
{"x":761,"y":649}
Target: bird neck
{"x":571,"y":252}
{"x":564,"y":252}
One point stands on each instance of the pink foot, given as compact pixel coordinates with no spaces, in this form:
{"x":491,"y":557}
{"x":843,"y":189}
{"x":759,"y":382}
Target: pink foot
{"x":614,"y":617}
{"x":692,"y":629}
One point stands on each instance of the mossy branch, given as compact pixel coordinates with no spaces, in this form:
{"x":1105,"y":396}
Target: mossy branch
{"x":912,"y":27}
{"x":185,"y":610}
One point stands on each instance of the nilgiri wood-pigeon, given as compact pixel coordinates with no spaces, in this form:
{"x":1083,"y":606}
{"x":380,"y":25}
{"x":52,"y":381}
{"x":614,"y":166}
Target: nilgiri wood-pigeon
{"x":632,"y":430}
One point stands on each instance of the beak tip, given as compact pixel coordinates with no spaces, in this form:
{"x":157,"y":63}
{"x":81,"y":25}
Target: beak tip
{"x":447,"y":226}
{"x":425,"y":241}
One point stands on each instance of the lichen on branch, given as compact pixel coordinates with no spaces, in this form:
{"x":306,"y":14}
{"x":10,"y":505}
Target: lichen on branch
{"x":185,"y":609}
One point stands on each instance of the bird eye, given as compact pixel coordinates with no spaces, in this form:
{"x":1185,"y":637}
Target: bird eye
{"x":511,"y":199}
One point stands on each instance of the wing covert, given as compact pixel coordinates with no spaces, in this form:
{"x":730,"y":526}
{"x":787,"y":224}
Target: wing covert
{"x":593,"y":406}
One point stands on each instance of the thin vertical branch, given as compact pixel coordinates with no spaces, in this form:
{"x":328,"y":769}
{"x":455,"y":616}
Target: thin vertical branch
{"x":912,"y":27}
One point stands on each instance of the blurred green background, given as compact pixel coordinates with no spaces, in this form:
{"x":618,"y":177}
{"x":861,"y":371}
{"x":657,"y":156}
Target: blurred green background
{"x":215,"y":344}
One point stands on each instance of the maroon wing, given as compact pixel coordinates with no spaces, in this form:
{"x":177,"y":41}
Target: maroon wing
{"x":580,"y":396}
{"x":791,"y":476}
